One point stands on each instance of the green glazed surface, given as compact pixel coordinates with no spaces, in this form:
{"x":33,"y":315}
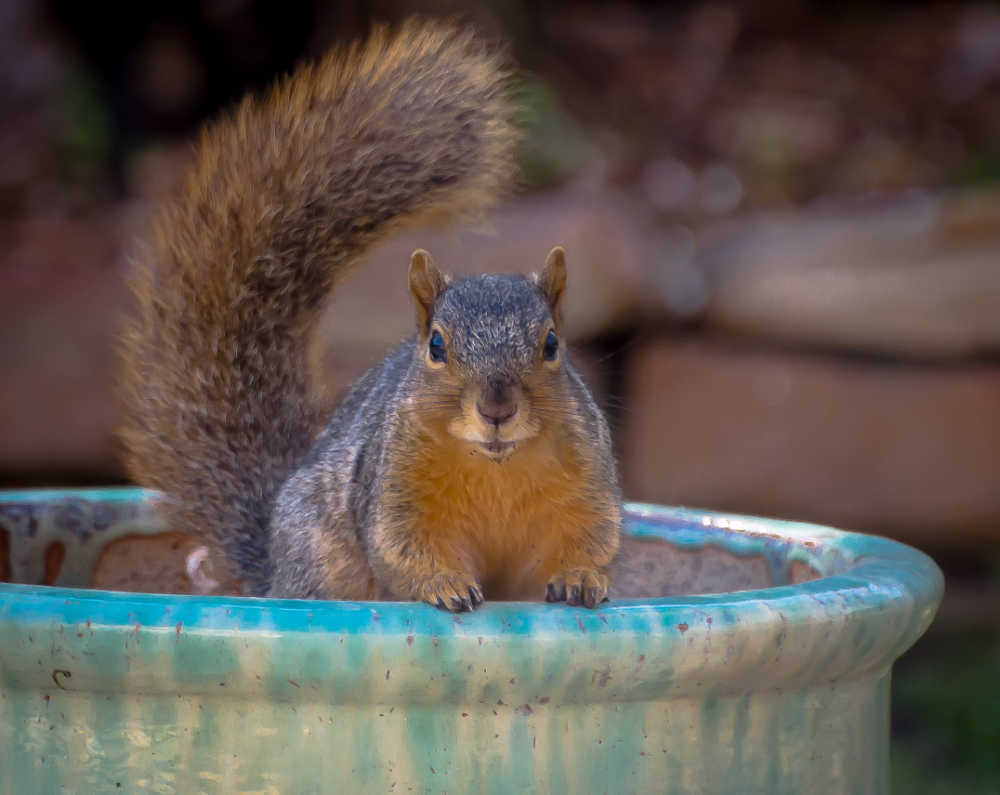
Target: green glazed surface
{"x":782,"y":689}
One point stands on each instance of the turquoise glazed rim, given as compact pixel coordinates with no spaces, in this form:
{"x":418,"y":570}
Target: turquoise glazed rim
{"x":873,"y":599}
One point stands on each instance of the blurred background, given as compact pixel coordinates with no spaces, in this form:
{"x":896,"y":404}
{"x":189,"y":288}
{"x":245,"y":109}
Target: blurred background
{"x":783,"y":225}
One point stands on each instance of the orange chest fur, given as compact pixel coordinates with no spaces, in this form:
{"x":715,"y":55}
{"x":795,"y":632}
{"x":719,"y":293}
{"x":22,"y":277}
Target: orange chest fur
{"x":510,"y":522}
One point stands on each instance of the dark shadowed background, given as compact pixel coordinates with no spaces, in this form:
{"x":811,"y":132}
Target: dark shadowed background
{"x":783,"y":227}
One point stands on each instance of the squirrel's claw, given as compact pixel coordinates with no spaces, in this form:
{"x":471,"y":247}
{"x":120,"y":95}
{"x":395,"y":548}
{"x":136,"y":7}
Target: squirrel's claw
{"x":452,"y":591}
{"x":578,"y":586}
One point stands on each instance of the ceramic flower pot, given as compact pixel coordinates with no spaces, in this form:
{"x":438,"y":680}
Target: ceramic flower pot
{"x":762,"y":666}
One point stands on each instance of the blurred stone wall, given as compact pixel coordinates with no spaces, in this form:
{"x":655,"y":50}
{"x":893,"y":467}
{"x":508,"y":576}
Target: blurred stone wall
{"x":859,"y":395}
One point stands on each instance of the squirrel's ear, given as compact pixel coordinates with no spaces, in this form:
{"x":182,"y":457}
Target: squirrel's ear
{"x":426,"y":284}
{"x":552,"y":279}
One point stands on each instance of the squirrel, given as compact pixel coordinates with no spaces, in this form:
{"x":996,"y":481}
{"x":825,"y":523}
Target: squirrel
{"x":472,"y":461}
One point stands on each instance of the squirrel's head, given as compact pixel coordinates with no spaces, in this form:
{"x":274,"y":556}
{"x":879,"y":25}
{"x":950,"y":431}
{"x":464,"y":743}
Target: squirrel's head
{"x":490,"y":353}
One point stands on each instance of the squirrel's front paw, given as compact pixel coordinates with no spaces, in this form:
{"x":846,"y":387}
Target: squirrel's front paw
{"x":452,"y":590}
{"x":578,"y":586}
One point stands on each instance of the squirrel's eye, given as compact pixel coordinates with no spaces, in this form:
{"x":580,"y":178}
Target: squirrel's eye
{"x":551,"y":346}
{"x":436,"y":348}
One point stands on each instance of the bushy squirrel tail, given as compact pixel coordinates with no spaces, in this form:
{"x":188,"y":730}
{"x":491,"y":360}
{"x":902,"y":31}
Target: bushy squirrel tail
{"x":286,"y":193}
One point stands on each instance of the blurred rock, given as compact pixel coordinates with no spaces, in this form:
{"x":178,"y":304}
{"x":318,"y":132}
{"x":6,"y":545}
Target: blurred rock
{"x":777,"y":133}
{"x":61,"y":297}
{"x":910,"y":451}
{"x":721,"y":189}
{"x":918,"y":277}
{"x":668,"y":184}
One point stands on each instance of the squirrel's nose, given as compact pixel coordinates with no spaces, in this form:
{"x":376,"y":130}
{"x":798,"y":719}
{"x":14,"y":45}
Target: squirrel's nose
{"x":497,"y":404}
{"x":496,"y":413}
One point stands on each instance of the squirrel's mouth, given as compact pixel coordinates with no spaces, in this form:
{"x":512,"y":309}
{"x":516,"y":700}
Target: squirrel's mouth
{"x":498,"y":449}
